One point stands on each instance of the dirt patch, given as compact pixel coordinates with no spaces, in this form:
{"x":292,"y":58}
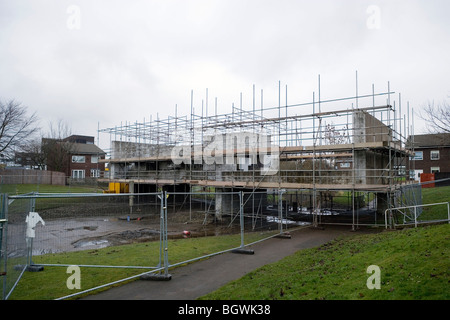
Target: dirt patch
{"x":71,"y":232}
{"x":119,"y":238}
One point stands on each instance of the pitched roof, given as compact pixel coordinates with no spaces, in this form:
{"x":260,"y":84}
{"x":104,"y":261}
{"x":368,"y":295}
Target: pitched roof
{"x":75,"y":147}
{"x":432,"y":140}
{"x":82,"y":148}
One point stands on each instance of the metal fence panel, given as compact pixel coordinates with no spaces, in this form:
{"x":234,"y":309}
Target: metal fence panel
{"x":42,"y":227}
{"x":233,"y":221}
{"x":14,"y":243}
{"x":173,"y":221}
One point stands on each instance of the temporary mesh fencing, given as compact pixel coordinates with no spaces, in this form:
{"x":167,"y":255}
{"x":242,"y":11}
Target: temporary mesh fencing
{"x":409,"y":210}
{"x":135,"y":234}
{"x":146,"y":234}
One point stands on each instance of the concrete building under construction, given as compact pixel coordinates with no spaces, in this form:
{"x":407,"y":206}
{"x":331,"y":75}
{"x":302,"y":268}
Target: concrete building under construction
{"x":325,"y":161}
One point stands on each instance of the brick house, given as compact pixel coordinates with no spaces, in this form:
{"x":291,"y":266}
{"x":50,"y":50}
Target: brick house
{"x":432,"y":153}
{"x":77,"y":156}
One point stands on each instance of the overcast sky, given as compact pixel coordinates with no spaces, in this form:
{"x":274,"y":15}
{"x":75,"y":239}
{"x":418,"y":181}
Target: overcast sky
{"x":107,"y":62}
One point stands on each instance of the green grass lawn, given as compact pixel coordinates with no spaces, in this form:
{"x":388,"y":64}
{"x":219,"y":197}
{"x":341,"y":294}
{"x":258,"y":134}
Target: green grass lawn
{"x":435,"y":195}
{"x":51,"y":283}
{"x":15,"y":189}
{"x":414,"y":264}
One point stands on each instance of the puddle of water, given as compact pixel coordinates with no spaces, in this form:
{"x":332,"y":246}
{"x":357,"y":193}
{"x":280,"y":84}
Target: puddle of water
{"x":323,"y":212}
{"x":98,"y":244}
{"x":285,"y":221}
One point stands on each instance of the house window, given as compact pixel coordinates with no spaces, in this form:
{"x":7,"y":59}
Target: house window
{"x":95,"y":173}
{"x":418,"y":155}
{"x":434,"y":154}
{"x":78,"y":174}
{"x":94,"y":159}
{"x":78,"y":159}
{"x":435,"y":169}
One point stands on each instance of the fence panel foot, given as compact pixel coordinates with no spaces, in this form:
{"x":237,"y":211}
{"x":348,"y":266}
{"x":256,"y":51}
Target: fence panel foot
{"x":156,"y":277}
{"x":243,"y":251}
{"x":284,"y":235}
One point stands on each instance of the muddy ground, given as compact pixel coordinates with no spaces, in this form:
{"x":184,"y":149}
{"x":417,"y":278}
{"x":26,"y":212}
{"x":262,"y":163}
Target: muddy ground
{"x":77,"y":226}
{"x":93,"y":232}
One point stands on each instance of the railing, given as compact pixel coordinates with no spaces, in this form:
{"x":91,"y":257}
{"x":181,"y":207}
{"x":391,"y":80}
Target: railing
{"x":411,"y":215}
{"x":320,"y":176}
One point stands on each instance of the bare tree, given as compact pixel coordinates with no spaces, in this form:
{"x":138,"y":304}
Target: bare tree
{"x":59,"y":130}
{"x":33,"y":152}
{"x":437,"y":117}
{"x":51,"y":149}
{"x":335,"y":136}
{"x":55,"y":148}
{"x":16,"y":127}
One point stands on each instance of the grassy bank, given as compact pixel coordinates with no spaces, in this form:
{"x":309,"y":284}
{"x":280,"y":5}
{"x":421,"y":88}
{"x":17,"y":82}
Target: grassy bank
{"x":414,"y":264}
{"x":51,"y":283}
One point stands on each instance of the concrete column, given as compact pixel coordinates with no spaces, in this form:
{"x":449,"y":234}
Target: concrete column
{"x":131,"y":200}
{"x":360,"y":166}
{"x":225,"y":203}
{"x":359,"y":160}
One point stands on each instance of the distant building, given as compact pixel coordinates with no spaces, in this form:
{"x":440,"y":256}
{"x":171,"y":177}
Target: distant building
{"x":27,"y":160}
{"x":432,"y":153}
{"x":77,"y":156}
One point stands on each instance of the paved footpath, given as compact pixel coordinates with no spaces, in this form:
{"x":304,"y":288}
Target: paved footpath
{"x":199,"y":278}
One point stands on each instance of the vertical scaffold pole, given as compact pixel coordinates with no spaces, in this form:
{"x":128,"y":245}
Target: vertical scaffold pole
{"x":161,"y":229}
{"x":166,"y":249}
{"x":241,"y":212}
{"x":3,"y":251}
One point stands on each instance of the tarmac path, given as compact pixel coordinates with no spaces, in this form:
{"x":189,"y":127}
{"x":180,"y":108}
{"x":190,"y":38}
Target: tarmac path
{"x":196,"y":279}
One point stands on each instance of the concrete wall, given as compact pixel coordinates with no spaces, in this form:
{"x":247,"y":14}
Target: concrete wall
{"x":124,"y":149}
{"x":370,"y":166}
{"x":227,"y":203}
{"x":367,"y":128}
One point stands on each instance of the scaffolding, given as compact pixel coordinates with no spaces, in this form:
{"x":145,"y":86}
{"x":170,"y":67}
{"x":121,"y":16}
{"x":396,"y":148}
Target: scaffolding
{"x":355,"y":147}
